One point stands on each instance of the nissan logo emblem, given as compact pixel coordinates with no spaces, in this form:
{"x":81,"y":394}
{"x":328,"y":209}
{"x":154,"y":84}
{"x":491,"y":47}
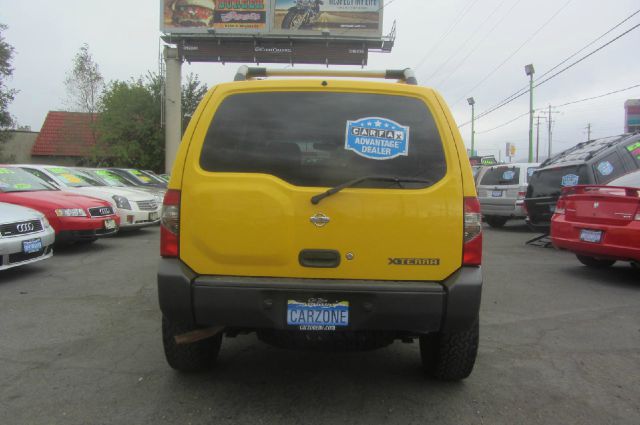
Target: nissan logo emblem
{"x":25,"y":227}
{"x":105,"y":211}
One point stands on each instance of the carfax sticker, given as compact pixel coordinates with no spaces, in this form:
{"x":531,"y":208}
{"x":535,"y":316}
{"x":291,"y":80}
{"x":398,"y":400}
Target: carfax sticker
{"x":605,"y":168}
{"x":377,"y":138}
{"x":570,"y":180}
{"x":508,"y":175}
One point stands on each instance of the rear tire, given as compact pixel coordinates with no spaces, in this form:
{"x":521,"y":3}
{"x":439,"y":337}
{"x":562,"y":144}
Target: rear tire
{"x":496,"y":221}
{"x":450,"y":356}
{"x":194,"y":357}
{"x":293,"y":20}
{"x":595,"y":262}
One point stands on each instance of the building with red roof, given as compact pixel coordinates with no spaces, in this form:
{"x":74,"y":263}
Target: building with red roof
{"x":66,"y":138}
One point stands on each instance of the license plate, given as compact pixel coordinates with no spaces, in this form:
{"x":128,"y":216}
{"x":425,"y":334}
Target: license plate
{"x":594,"y":236}
{"x":109,"y":224}
{"x":317,"y":315}
{"x":153,"y":216}
{"x":31,"y":246}
{"x":496,"y":194}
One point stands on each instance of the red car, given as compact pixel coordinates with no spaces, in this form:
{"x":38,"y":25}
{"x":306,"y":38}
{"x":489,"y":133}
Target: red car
{"x":73,"y":217}
{"x":600,"y":224}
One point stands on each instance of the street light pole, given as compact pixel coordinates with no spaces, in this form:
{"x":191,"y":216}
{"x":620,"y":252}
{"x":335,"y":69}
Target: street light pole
{"x":529,"y":70}
{"x":472,"y":102}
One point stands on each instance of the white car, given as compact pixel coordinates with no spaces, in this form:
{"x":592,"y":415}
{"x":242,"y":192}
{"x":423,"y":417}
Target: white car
{"x":25,"y":236}
{"x":501,"y":191}
{"x":136,"y":208}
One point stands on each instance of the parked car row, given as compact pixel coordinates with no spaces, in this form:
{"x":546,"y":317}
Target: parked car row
{"x":40,"y":204}
{"x":587,"y":198}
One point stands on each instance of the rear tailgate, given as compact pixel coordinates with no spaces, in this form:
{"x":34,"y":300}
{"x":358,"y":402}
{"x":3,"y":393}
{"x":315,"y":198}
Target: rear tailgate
{"x":246,"y":200}
{"x":607,"y":205}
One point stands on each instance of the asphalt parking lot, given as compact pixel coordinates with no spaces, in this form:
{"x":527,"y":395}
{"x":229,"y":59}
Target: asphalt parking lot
{"x":80,"y":344}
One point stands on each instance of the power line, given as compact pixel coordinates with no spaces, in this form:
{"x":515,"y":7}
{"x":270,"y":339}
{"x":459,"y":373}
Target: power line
{"x":490,"y":74}
{"x":456,"y":20}
{"x":466,"y":42}
{"x":525,"y":89}
{"x":559,"y":106}
{"x":598,"y":97}
{"x":588,"y":55}
{"x":518,"y":95}
{"x":462,"y":62}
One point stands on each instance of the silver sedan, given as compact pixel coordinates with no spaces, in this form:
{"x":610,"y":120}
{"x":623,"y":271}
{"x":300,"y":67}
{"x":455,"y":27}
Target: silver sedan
{"x":25,"y":236}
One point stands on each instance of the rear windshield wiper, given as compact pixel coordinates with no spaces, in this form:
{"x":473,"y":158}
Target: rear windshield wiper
{"x":315,"y":200}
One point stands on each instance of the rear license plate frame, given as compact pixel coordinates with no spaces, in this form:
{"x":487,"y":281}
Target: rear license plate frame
{"x":496,"y":193}
{"x":591,"y":236}
{"x":317,"y":314}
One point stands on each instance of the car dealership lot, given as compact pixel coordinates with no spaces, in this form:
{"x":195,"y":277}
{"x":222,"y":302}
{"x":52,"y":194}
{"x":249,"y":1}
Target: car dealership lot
{"x":80,"y":344}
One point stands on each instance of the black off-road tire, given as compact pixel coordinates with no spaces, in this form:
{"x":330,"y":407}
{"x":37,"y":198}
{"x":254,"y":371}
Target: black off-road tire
{"x":450,"y":356}
{"x":194,"y":357}
{"x":595,"y":262}
{"x":287,"y":22}
{"x":496,"y":221}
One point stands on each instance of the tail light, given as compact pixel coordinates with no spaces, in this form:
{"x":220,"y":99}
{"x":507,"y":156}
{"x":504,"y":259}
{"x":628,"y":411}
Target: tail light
{"x":521,"y":196}
{"x":472,"y":248}
{"x":170,"y":224}
{"x":560,"y":207}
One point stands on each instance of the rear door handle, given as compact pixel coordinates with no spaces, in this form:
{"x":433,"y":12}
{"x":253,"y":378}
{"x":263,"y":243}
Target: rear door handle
{"x":319,"y":258}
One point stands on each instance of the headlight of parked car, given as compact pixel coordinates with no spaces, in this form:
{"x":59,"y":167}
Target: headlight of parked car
{"x":45,"y":222}
{"x":71,"y":212}
{"x":122,"y":202}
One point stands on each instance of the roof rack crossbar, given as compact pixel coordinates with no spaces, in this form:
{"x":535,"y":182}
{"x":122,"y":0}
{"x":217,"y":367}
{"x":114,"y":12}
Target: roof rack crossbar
{"x":245,"y":73}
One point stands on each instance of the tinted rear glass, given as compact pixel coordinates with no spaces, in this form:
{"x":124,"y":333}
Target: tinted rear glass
{"x":501,"y":176}
{"x":325,"y":139}
{"x":550,"y":182}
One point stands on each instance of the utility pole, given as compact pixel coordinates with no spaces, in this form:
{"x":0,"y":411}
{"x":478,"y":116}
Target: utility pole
{"x":549,"y":147}
{"x":588,"y":132}
{"x":538,"y":139}
{"x":472,"y":102}
{"x":529,"y":70}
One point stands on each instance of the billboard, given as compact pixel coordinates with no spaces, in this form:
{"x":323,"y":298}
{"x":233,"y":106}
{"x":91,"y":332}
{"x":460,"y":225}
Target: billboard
{"x":632,"y":116}
{"x":274,"y":51}
{"x":278,"y":18}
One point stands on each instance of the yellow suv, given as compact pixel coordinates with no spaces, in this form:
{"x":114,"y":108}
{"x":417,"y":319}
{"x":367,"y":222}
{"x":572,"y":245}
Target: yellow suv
{"x":322,"y":213}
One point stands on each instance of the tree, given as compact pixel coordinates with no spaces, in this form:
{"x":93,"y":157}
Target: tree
{"x":84,"y":83}
{"x":129,"y":126}
{"x":192,"y":93}
{"x":6,"y":94}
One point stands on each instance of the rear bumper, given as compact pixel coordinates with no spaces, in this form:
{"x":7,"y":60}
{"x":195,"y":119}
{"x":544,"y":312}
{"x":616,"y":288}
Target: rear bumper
{"x":261,"y":303}
{"x":618,"y":242}
{"x":513,"y":209}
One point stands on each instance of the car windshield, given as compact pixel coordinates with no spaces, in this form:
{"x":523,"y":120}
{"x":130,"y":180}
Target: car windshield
{"x":109,"y":178}
{"x":18,"y":180}
{"x":549,"y":182}
{"x":73,"y":178}
{"x":325,"y":139}
{"x":141,"y":177}
{"x":501,"y":176}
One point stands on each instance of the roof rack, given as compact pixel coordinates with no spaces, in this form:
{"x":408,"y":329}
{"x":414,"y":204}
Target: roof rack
{"x":245,"y":72}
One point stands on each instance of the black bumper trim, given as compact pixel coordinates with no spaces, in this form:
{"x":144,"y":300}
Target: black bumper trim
{"x":250,"y":302}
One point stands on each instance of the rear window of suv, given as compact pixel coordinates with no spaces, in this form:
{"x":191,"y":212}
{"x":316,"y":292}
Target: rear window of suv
{"x":501,"y":176}
{"x":322,"y":139}
{"x":549,"y":182}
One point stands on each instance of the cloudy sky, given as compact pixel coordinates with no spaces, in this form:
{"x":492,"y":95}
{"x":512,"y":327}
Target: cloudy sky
{"x":462,"y":48}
